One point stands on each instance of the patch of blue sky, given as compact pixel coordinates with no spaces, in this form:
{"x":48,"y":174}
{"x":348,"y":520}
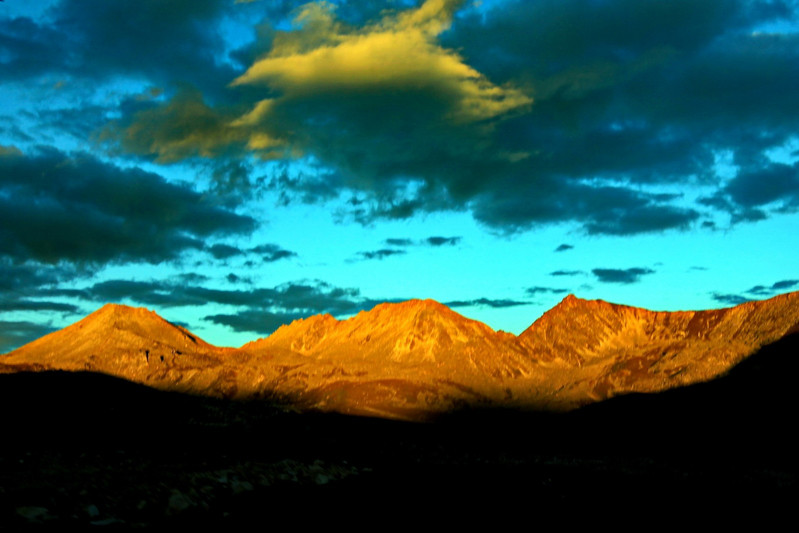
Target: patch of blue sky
{"x":34,"y":9}
{"x":787,"y":153}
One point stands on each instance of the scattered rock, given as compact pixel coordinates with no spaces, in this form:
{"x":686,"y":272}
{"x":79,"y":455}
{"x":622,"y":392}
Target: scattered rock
{"x":178,"y":502}
{"x":34,"y":514}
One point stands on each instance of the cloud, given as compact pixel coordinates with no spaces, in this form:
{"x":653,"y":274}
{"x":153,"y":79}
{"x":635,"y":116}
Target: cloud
{"x":762,"y":290}
{"x":57,"y":207}
{"x":759,"y":291}
{"x":233,"y":278}
{"x":730,"y":299}
{"x":9,"y":151}
{"x":627,"y":275}
{"x":323,"y":61}
{"x":347,"y":95}
{"x":272,"y":252}
{"x":399,"y":242}
{"x":257,"y":321}
{"x":486,"y":302}
{"x":569,"y":273}
{"x":162,"y":42}
{"x":20,"y":278}
{"x":289,"y":302}
{"x":785,"y":284}
{"x":14,"y":334}
{"x":398,"y":53}
{"x":759,"y":186}
{"x":522,"y":114}
{"x":224,"y":251}
{"x":183,"y":128}
{"x":269,"y":253}
{"x":381,"y":254}
{"x":443,"y":241}
{"x":37,"y":305}
{"x":309,"y":296}
{"x":564,"y":247}
{"x":532,"y":291}
{"x":434,"y":241}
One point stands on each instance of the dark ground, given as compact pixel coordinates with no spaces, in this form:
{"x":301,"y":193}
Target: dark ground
{"x":90,"y":450}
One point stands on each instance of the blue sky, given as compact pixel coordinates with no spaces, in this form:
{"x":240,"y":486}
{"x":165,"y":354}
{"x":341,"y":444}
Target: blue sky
{"x":237,"y":165}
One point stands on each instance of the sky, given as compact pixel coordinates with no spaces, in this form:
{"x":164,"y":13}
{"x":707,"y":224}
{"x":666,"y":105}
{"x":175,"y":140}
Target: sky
{"x":236,"y":165}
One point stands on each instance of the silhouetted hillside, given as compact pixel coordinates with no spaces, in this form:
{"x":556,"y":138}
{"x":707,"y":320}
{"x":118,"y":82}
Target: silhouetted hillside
{"x":83,"y":448}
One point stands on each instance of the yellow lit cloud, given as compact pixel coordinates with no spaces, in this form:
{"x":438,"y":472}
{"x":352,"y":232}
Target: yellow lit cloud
{"x":399,"y":53}
{"x":9,"y":151}
{"x":387,"y":82}
{"x":183,"y":128}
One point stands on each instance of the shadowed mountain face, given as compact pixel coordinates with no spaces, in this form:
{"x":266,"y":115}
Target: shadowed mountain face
{"x":416,"y":359}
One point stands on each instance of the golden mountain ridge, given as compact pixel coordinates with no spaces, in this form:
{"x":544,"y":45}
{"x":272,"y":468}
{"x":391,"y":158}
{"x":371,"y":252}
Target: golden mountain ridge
{"x":416,"y":359}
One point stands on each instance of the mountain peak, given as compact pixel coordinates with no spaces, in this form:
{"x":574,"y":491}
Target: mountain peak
{"x":116,"y":325}
{"x":414,"y":303}
{"x":399,"y":358}
{"x":121,"y":310}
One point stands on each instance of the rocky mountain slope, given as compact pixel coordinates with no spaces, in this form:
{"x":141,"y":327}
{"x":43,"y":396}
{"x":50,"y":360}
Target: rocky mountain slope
{"x":416,"y":359}
{"x":132,"y":343}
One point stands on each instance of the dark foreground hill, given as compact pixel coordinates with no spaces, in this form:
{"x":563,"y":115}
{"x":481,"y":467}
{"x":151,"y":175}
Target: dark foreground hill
{"x":89,"y":449}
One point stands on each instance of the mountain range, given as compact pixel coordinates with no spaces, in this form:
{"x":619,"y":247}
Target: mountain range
{"x":419,"y":359}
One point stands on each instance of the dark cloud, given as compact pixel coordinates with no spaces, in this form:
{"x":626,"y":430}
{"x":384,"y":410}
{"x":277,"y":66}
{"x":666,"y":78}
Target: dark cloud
{"x":443,"y":241}
{"x":399,"y":242}
{"x":312,"y":297}
{"x":434,"y":241}
{"x":231,"y":180}
{"x":757,"y":186}
{"x":625,"y":275}
{"x":36,"y":305}
{"x":303,"y":187}
{"x":532,"y":291}
{"x":58,"y":207}
{"x":30,"y":49}
{"x":191,"y":277}
{"x":486,"y":302}
{"x":381,"y":254}
{"x":14,"y":334}
{"x":730,"y":299}
{"x":79,"y":122}
{"x":30,"y":286}
{"x":523,"y":114}
{"x":152,"y":293}
{"x":759,"y":291}
{"x":763,"y":290}
{"x":257,"y":321}
{"x":162,"y":42}
{"x":21,"y":278}
{"x":560,"y":273}
{"x":292,"y":301}
{"x":564,"y":247}
{"x":272,"y":252}
{"x":185,"y":127}
{"x":785,"y":284}
{"x":224,"y":251}
{"x":233,"y":278}
{"x":621,"y":89}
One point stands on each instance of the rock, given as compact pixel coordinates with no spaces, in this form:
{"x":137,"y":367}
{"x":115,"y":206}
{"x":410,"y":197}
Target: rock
{"x":34,"y":514}
{"x":178,"y":502}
